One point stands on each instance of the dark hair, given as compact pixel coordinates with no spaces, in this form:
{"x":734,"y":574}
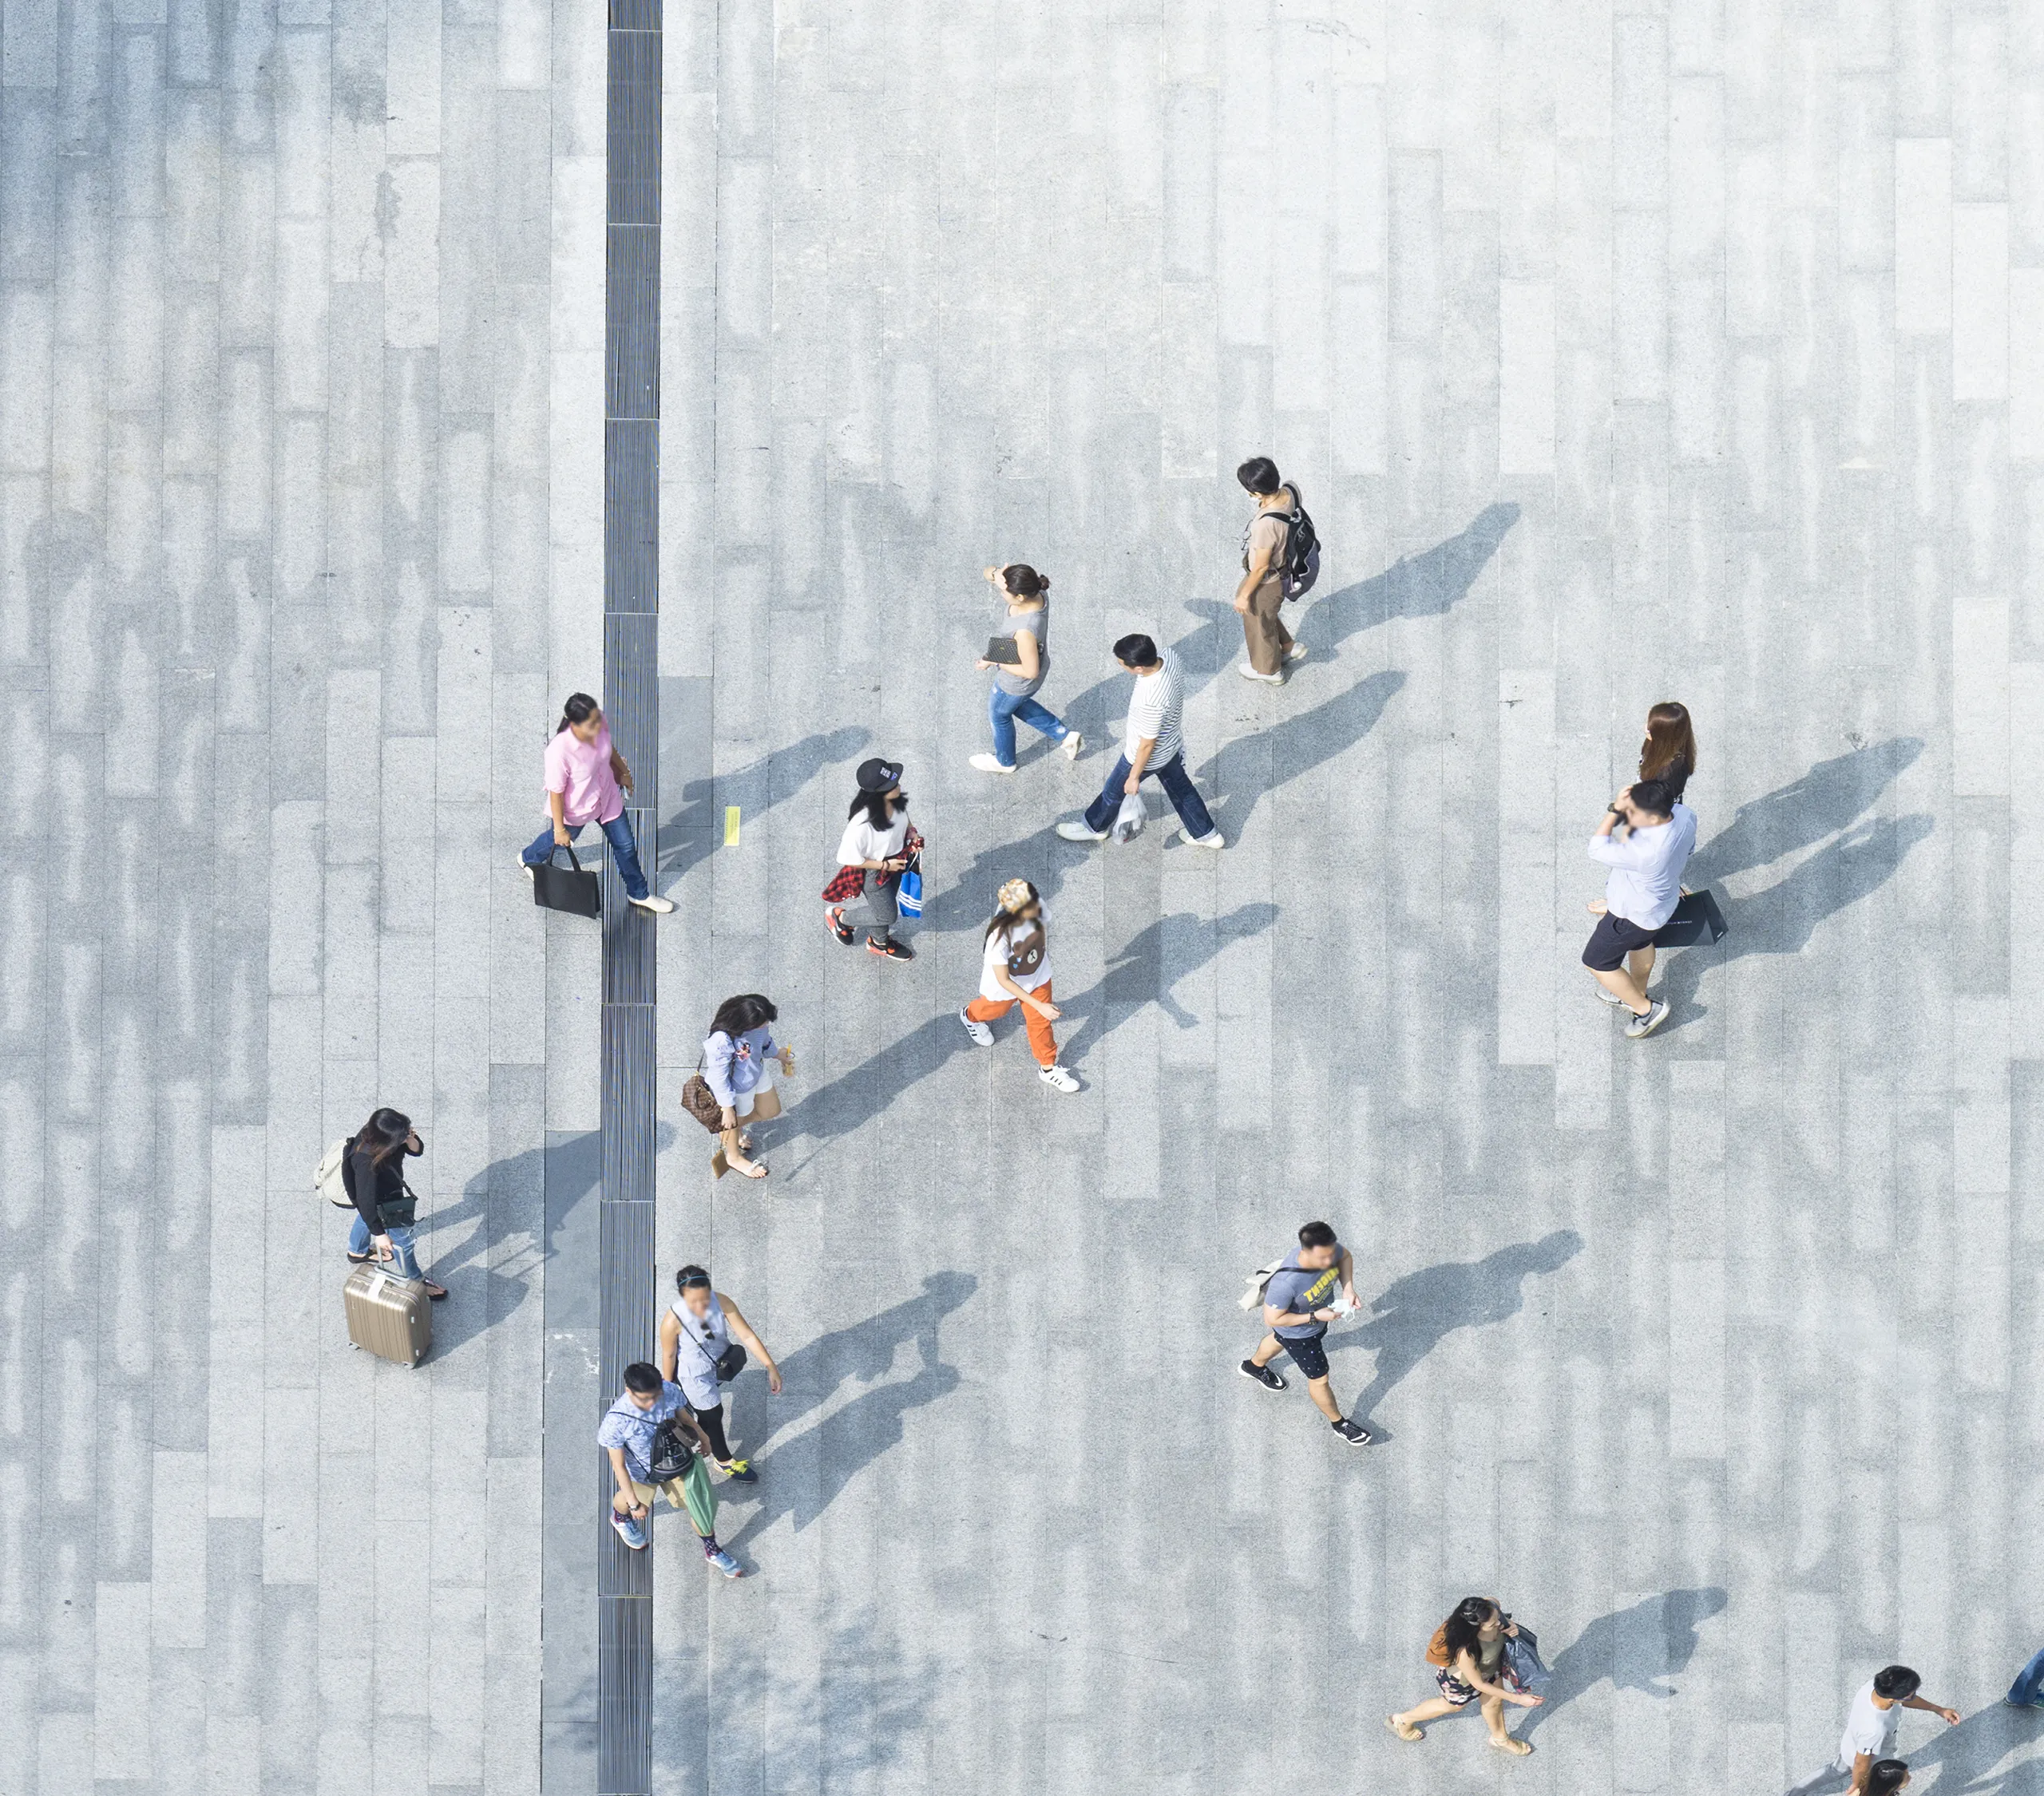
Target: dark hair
{"x":578,"y":707}
{"x":384,"y":1134}
{"x":1023,"y":581}
{"x":642,"y":1378}
{"x":686,"y":1276}
{"x":1317,"y":1234}
{"x":1258,"y":475}
{"x":1896,"y":1684}
{"x":1137,"y":651}
{"x":1885,"y":1774}
{"x":1469,"y":1614}
{"x":1670,"y":737}
{"x":1656,"y":796}
{"x":878,"y":812}
{"x":747,"y":1010}
{"x":1004,"y":919}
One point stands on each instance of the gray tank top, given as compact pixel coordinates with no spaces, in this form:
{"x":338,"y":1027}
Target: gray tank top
{"x":1038,"y":624}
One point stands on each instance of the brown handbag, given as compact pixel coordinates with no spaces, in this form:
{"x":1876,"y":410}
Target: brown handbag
{"x":700,"y":1101}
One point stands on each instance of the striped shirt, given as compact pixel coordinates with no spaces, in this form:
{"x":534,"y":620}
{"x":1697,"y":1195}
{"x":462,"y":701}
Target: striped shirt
{"x":1154,"y":707}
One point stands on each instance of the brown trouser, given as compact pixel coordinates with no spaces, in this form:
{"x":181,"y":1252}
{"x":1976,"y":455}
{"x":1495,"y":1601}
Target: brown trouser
{"x":1263,"y":632}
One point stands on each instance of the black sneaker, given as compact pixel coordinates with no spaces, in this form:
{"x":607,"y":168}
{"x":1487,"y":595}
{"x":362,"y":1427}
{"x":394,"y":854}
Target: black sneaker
{"x":1263,"y":1375}
{"x":833,"y":921}
{"x":890,"y":949}
{"x":1354,"y":1433}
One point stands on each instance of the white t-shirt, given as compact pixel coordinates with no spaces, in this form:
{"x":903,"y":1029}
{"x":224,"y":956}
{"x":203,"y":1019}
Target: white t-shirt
{"x":862,"y":842}
{"x":1153,"y":711}
{"x":1024,"y":950}
{"x":1867,"y":1729}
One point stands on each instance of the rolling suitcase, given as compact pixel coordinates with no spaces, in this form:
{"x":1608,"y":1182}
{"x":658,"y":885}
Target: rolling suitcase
{"x":392,"y":1317}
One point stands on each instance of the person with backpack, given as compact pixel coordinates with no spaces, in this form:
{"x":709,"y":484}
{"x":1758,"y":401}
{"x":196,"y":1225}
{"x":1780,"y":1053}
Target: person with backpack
{"x":1298,"y":1295}
{"x":645,"y":1432}
{"x":698,"y":1351}
{"x":1015,"y":968}
{"x":879,"y":845}
{"x":386,"y":1209}
{"x":1470,"y":1656}
{"x":1026,"y":631}
{"x":586,"y":781}
{"x":1153,"y":745}
{"x":1280,"y":559}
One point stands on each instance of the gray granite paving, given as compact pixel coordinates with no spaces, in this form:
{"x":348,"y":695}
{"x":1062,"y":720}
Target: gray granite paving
{"x":1686,"y":348}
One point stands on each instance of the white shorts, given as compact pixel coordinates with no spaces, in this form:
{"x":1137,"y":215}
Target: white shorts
{"x":743,"y":1107}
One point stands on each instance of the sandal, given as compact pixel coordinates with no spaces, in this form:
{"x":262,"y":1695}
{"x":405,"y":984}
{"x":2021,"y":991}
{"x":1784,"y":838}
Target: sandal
{"x":435,"y":1292}
{"x":1404,"y":1730}
{"x":756,"y":1170}
{"x":1512,"y":1744}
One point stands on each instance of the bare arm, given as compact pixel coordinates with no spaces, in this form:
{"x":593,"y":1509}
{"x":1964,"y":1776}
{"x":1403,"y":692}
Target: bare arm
{"x":1949,"y":1716}
{"x":1275,"y":1318}
{"x":1140,"y":760}
{"x":670,"y":1345}
{"x":624,"y":1477}
{"x":1030,"y":661}
{"x":1259,"y":571}
{"x":751,"y":1342}
{"x":621,"y":773}
{"x":1050,"y":1013}
{"x":556,"y":803}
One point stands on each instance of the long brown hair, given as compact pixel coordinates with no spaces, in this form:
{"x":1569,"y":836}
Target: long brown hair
{"x":1670,"y":737}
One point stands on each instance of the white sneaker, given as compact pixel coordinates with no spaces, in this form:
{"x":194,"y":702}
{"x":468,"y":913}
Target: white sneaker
{"x":1250,"y":673}
{"x":527,"y":870}
{"x":1213,"y":839}
{"x":977,"y":1030}
{"x":1073,"y":743}
{"x":1078,"y":833}
{"x":1057,"y":1076}
{"x":654,"y":902}
{"x":1296,"y":652}
{"x":1612,"y":999}
{"x":1656,"y":1013}
{"x":990,"y":764}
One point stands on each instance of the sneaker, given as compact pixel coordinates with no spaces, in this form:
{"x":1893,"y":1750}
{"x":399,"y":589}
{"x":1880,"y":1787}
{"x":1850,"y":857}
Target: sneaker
{"x":1073,"y":743}
{"x":989,"y":764}
{"x":833,"y":921}
{"x":979,"y":1031}
{"x":1265,"y":1376}
{"x":890,"y":949}
{"x":654,"y":902}
{"x":1296,"y":652}
{"x":1612,"y":999}
{"x":1354,"y":1433}
{"x":1080,"y":832}
{"x":1643,"y":1025}
{"x":1057,"y":1076}
{"x":628,"y":1531}
{"x":1250,"y":673}
{"x":526,"y":867}
{"x":1213,"y":839}
{"x":721,"y":1562}
{"x":739,"y":1471}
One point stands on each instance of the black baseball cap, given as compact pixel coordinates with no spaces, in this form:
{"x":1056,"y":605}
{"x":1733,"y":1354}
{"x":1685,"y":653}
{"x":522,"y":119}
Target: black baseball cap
{"x":877,"y":775}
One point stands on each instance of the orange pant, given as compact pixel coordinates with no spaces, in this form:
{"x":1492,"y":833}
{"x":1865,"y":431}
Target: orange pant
{"x":1042,"y":1042}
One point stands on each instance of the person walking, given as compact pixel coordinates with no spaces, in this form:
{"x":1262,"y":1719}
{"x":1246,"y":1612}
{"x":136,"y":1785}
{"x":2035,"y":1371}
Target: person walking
{"x":1027,"y":629}
{"x":2027,"y":1692}
{"x":1298,"y":1306}
{"x":1260,"y":595}
{"x":586,"y":781}
{"x":878,"y":844}
{"x":1871,"y":1725}
{"x":628,"y":1432}
{"x":699,"y":1352}
{"x":1640,"y":892}
{"x":1153,"y":745}
{"x":1468,"y":1655}
{"x":738,"y":1067}
{"x":386,"y":1207}
{"x":1015,"y":968}
{"x":1668,"y":753}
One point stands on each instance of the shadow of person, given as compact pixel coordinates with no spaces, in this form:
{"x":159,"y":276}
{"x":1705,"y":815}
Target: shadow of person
{"x":1782,"y":919}
{"x":1966,"y":1759}
{"x":968,"y":901}
{"x":1656,"y":1638}
{"x":691,"y":832}
{"x":1424,"y":585}
{"x":1828,"y":798}
{"x":858,"y":1096}
{"x":806,"y":1472}
{"x":1293,"y":747}
{"x":1202,"y":651}
{"x":1420,"y":1311}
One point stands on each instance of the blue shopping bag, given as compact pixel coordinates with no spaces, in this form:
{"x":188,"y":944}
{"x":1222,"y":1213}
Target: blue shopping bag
{"x":909,"y":899}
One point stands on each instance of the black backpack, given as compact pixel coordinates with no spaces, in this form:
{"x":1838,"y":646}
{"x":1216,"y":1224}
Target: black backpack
{"x":1300,"y":566}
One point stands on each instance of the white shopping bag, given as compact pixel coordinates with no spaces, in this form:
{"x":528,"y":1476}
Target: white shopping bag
{"x":1130,"y":819}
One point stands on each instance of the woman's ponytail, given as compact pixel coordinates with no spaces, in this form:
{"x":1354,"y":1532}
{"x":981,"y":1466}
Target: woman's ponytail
{"x":578,"y":708}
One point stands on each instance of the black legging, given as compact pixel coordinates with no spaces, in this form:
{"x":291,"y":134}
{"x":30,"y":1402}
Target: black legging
{"x":711,"y":1422}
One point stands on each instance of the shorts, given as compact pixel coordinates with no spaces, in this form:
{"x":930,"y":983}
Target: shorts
{"x":1614,"y":938}
{"x":1453,"y":1690}
{"x":1307,"y":1353}
{"x":742,"y":1107}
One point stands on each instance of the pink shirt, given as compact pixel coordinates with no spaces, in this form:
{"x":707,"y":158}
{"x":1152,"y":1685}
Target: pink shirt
{"x":580,"y":772}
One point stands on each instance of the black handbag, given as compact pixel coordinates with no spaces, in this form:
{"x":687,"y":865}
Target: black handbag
{"x":729,"y":1363}
{"x":1697,"y":919}
{"x":672,"y":1452}
{"x":578,"y":893}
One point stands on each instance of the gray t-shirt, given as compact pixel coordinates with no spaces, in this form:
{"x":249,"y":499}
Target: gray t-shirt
{"x":1038,"y":624}
{"x":1297,"y":1290}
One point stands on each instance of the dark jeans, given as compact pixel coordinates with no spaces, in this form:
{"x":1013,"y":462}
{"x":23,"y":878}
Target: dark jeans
{"x":1178,"y":787}
{"x":624,"y":850}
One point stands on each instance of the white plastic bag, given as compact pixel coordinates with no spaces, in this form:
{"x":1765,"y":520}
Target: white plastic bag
{"x":1130,"y":819}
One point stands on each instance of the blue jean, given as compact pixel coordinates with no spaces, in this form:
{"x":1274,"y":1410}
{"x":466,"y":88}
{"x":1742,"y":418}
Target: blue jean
{"x":403,"y":1261}
{"x":624,"y":850}
{"x":1003,"y":708}
{"x":1178,"y":787}
{"x":2029,"y":1680}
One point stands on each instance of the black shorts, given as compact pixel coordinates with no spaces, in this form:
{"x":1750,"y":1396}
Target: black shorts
{"x":1307,"y":1353}
{"x":1611,"y":941}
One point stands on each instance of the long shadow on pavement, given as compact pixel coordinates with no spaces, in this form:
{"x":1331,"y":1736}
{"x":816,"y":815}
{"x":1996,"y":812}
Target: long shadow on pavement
{"x":1295,"y":746}
{"x":1425,"y":585}
{"x":691,"y":832}
{"x":1830,"y":796}
{"x":1655,"y":1638}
